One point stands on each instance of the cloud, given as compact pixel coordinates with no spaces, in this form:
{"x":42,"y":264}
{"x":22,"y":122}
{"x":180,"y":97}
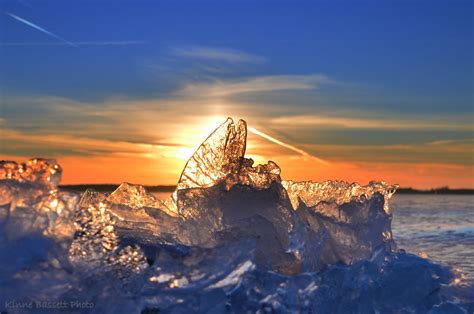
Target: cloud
{"x":117,"y":124}
{"x":163,"y":133}
{"x":86,"y":145}
{"x":461,"y":154}
{"x":381,"y":123}
{"x":217,"y":54}
{"x":255,"y":85}
{"x":75,"y":43}
{"x":173,"y":126}
{"x":467,"y":142}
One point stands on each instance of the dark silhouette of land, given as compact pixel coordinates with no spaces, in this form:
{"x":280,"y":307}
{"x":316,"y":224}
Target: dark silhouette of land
{"x":112,"y":187}
{"x":442,"y":190}
{"x":170,"y":188}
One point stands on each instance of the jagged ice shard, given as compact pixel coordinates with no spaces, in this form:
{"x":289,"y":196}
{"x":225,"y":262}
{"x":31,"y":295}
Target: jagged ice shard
{"x":232,"y":238}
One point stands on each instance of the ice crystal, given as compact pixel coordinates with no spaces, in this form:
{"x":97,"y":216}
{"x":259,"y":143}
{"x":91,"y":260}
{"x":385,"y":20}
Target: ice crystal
{"x":219,"y":156}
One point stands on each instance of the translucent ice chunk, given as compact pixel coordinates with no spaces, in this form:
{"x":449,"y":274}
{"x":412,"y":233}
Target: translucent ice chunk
{"x":214,"y":215}
{"x":9,"y":170}
{"x":339,"y":192}
{"x":136,"y":213}
{"x":29,"y":193}
{"x":259,"y":177}
{"x":220,"y":190}
{"x":96,"y":243}
{"x":221,"y":157}
{"x":95,"y":234}
{"x":136,"y":197}
{"x":220,"y":154}
{"x":351,"y":222}
{"x":346,"y":233}
{"x":46,"y":172}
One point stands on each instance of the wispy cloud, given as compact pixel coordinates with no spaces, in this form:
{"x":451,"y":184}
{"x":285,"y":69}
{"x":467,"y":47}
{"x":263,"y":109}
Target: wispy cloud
{"x":39,"y":28}
{"x":369,"y":123}
{"x":467,"y":141}
{"x":396,"y":153}
{"x":75,"y":43}
{"x":167,"y":135}
{"x":217,"y":54}
{"x":85,"y":145}
{"x":255,"y":84}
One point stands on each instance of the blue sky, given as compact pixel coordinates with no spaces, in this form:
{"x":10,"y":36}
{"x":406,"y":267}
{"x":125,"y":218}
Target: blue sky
{"x":348,"y":73}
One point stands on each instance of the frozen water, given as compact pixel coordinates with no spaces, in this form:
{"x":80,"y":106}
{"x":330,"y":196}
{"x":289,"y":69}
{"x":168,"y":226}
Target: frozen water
{"x":219,"y":156}
{"x":338,"y":192}
{"x":350,"y":221}
{"x":231,"y":238}
{"x":31,"y":201}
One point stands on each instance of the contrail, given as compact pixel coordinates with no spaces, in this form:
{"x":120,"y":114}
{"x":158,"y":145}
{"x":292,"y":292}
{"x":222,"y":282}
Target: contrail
{"x":76,"y":43}
{"x":39,"y":28}
{"x":286,"y":145}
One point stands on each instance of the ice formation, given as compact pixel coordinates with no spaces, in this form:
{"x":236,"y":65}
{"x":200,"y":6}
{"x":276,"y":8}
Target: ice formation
{"x":231,"y":238}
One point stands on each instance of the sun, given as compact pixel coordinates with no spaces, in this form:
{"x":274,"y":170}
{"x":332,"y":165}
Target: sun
{"x":184,"y":153}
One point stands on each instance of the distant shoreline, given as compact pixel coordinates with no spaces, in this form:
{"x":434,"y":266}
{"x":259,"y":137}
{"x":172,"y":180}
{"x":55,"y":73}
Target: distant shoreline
{"x":171,"y":188}
{"x":112,"y":187}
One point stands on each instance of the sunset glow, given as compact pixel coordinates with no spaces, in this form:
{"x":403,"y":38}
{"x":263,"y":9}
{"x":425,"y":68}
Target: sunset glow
{"x":132,"y":103}
{"x":161,"y":164}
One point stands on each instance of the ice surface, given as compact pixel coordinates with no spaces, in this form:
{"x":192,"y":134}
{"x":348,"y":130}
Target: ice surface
{"x":232,"y":238}
{"x":219,"y":156}
{"x":350,"y":221}
{"x":338,"y":192}
{"x":31,"y":200}
{"x":96,"y":243}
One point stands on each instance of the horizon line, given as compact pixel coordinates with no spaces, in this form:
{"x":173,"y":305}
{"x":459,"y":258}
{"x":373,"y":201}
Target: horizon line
{"x":441,"y":188}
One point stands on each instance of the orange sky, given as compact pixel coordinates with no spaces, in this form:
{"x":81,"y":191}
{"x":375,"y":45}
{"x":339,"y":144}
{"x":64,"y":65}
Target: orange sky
{"x":161,"y":164}
{"x":149,"y":141}
{"x":155,"y":172}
